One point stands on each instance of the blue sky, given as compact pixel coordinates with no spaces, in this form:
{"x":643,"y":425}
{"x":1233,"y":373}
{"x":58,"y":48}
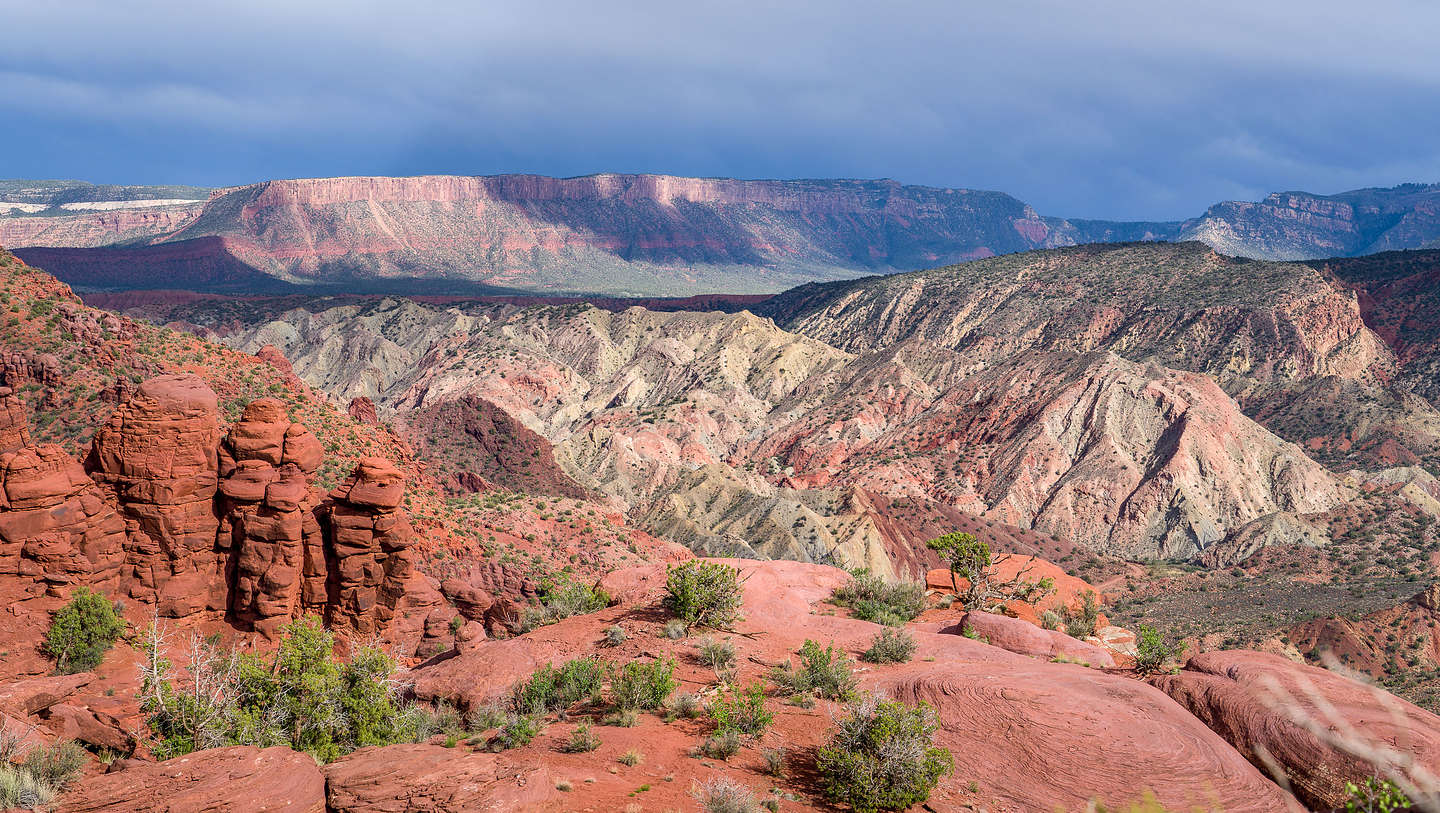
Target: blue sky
{"x":1120,"y":109}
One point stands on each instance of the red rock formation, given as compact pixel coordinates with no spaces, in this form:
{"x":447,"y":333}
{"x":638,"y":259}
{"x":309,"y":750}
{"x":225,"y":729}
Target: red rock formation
{"x":430,"y":778}
{"x":362,"y":409}
{"x":1024,"y":638}
{"x":241,"y":778}
{"x":268,"y":528}
{"x":368,"y":535}
{"x":1312,"y":724}
{"x":54,"y":525}
{"x":159,"y":455}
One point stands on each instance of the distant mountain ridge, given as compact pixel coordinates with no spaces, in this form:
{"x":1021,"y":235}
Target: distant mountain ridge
{"x":622,"y":235}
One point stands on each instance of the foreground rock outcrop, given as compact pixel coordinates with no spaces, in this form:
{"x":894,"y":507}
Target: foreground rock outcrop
{"x":242,"y":778}
{"x":175,"y":516}
{"x":1317,"y":729}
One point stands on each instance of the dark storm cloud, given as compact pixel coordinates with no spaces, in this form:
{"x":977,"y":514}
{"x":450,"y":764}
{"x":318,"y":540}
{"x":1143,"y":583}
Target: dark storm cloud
{"x":1121,"y":109}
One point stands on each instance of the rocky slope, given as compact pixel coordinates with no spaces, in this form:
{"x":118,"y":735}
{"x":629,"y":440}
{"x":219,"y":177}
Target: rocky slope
{"x":733,"y":436}
{"x":1288,"y":342}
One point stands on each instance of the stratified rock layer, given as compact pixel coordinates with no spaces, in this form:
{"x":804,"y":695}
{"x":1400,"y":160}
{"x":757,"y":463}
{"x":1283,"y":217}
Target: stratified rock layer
{"x":239,"y":779}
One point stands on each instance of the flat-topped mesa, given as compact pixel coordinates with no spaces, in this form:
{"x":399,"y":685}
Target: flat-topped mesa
{"x":159,"y":454}
{"x":55,"y":527}
{"x":368,"y":534}
{"x":269,"y":534}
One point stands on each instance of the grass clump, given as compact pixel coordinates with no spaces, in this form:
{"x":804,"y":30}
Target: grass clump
{"x":687,"y":705}
{"x":703,"y":594}
{"x":82,"y":632}
{"x":824,"y":672}
{"x":33,"y":778}
{"x":643,"y":685}
{"x":882,"y":756}
{"x":630,"y":758}
{"x":516,"y":731}
{"x":892,"y":645}
{"x":871,"y":598}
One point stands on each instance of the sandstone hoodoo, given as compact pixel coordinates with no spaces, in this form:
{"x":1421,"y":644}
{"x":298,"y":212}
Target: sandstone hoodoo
{"x":182,"y":518}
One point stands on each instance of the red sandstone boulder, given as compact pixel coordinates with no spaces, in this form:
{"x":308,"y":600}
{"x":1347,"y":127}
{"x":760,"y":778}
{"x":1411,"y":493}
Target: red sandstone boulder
{"x":95,"y":728}
{"x":1319,"y":728}
{"x":362,"y":409}
{"x":1025,"y":638}
{"x":368,"y":537}
{"x":1041,"y":736}
{"x":236,"y":780}
{"x":425,"y":778}
{"x":34,"y":695}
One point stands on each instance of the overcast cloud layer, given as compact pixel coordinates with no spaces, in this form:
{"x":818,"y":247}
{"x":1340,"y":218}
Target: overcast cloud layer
{"x":1140,"y":110}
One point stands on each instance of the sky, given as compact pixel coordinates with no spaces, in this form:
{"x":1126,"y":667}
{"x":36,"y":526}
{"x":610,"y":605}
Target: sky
{"x":1114,"y":109}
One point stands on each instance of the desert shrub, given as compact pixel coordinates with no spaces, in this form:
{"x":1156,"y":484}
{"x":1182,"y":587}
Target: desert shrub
{"x":485,"y":717}
{"x":741,"y":711}
{"x":716,"y":654}
{"x":82,"y":632}
{"x":517,"y":730}
{"x":704,"y":594}
{"x":562,"y":599}
{"x":825,"y":672}
{"x":32,"y":777}
{"x":551,"y":689}
{"x":725,"y":795}
{"x":1051,"y":620}
{"x":774,"y":761}
{"x":892,"y":645}
{"x":582,"y":739}
{"x":675,"y":629}
{"x":882,"y":756}
{"x":871,"y":598}
{"x":1081,"y":620}
{"x":643,"y":685}
{"x":688,"y":705}
{"x":721,"y":745}
{"x":614,"y":635}
{"x":300,"y":697}
{"x":1153,"y":651}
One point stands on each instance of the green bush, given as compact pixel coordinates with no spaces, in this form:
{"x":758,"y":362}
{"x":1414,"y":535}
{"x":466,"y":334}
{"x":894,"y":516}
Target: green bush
{"x":1081,"y":621}
{"x":562,"y":599}
{"x":871,"y":598}
{"x":1153,"y":651}
{"x":82,"y":632}
{"x":32,"y":778}
{"x":551,"y":689}
{"x":300,"y":697}
{"x":518,"y":730}
{"x":1376,"y":795}
{"x":643,"y":685}
{"x":825,"y":672}
{"x":743,"y":711}
{"x":892,"y":645}
{"x":705,"y":594}
{"x":882,"y":756}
